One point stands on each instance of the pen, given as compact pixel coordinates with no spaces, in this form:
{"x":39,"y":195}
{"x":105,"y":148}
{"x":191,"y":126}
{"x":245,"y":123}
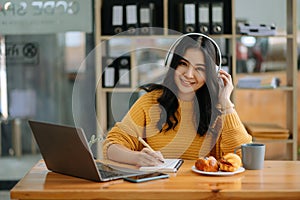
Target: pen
{"x":148,"y":146}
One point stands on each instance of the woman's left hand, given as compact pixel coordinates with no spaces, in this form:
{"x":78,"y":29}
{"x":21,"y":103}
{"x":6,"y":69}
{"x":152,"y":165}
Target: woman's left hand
{"x":225,"y":89}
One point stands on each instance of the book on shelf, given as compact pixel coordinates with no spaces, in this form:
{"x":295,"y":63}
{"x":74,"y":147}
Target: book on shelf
{"x":266,"y":131}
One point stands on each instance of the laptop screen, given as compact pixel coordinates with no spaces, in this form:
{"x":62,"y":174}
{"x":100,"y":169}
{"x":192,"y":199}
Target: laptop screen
{"x":65,"y":150}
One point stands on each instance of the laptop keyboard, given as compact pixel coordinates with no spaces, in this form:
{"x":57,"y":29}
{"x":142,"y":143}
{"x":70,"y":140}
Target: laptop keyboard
{"x":107,"y":171}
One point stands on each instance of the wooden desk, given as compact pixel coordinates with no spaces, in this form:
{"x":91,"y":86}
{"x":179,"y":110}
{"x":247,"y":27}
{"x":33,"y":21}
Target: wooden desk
{"x":278,"y":180}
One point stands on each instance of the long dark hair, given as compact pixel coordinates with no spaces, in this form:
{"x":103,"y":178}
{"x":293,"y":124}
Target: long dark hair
{"x":206,"y":97}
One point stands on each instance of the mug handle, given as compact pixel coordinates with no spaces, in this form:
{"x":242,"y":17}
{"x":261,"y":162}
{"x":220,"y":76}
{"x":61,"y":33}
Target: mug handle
{"x":237,"y":148}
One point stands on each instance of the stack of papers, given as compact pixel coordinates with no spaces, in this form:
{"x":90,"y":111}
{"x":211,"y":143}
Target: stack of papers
{"x":170,"y":165}
{"x":256,"y":30}
{"x":249,"y":82}
{"x":267,"y":131}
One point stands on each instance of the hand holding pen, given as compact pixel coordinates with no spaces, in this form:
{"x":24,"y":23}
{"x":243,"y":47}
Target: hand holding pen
{"x":150,"y":157}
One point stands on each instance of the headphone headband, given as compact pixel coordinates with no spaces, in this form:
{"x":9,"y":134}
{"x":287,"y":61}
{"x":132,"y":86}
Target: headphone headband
{"x":173,"y":46}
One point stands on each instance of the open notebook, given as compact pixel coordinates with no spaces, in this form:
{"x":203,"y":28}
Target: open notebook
{"x":170,"y":165}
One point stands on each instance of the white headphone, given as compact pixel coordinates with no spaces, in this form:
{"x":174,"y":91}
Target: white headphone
{"x":169,"y":56}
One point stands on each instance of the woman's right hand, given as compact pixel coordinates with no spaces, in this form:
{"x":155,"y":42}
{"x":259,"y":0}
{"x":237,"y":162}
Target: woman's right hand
{"x":146,"y":157}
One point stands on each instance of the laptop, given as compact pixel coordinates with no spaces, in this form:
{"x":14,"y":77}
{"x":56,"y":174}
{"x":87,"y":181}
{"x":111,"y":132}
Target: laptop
{"x":65,"y":150}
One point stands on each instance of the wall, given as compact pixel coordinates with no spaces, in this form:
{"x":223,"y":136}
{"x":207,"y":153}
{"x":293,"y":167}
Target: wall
{"x":255,"y":11}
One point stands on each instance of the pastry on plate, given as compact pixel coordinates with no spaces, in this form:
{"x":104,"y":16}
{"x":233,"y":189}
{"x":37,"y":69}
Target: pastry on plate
{"x":207,"y":164}
{"x":230,"y":162}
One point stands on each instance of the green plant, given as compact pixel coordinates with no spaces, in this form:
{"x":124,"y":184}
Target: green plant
{"x":95,"y":139}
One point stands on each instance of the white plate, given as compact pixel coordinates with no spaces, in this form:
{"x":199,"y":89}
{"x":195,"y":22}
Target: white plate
{"x":219,"y":173}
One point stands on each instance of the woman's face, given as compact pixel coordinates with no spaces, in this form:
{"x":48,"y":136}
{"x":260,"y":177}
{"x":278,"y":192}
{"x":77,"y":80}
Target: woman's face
{"x":190,"y":74}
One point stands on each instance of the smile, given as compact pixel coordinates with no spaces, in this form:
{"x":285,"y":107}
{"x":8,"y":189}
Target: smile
{"x":187,"y":83}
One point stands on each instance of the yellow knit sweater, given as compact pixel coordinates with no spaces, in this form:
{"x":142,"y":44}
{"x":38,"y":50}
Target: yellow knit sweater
{"x":181,"y":142}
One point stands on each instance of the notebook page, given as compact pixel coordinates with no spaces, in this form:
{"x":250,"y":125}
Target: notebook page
{"x":170,"y":165}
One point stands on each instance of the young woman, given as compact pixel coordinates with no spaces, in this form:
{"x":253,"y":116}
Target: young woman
{"x":187,"y":116}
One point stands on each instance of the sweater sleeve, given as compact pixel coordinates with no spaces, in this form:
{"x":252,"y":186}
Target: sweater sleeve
{"x":132,"y":125}
{"x":233,"y":134}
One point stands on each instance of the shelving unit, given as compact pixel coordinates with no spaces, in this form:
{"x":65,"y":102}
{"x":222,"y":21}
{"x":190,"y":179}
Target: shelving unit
{"x":283,"y":99}
{"x":289,"y":89}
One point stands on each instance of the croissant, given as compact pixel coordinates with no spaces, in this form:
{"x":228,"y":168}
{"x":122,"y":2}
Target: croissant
{"x":208,"y":164}
{"x":230,"y":162}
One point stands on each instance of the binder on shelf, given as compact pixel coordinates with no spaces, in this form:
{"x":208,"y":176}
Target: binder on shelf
{"x":117,"y":19}
{"x":131,"y":19}
{"x":217,"y":24}
{"x":109,"y":73}
{"x":123,"y":66}
{"x":189,"y":17}
{"x":203,"y":17}
{"x":116,"y":72}
{"x":146,"y":18}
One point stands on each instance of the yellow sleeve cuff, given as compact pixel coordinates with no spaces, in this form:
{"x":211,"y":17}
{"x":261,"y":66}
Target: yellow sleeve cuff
{"x":231,"y":121}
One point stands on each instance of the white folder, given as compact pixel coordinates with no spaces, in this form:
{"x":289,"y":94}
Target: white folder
{"x":117,"y":18}
{"x":189,"y":17}
{"x":109,"y":73}
{"x":131,"y":18}
{"x":124,"y":71}
{"x":146,"y":18}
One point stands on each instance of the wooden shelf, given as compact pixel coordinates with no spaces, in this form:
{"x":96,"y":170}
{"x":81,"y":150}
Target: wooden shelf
{"x":280,"y":88}
{"x":267,"y":36}
{"x":288,"y":141}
